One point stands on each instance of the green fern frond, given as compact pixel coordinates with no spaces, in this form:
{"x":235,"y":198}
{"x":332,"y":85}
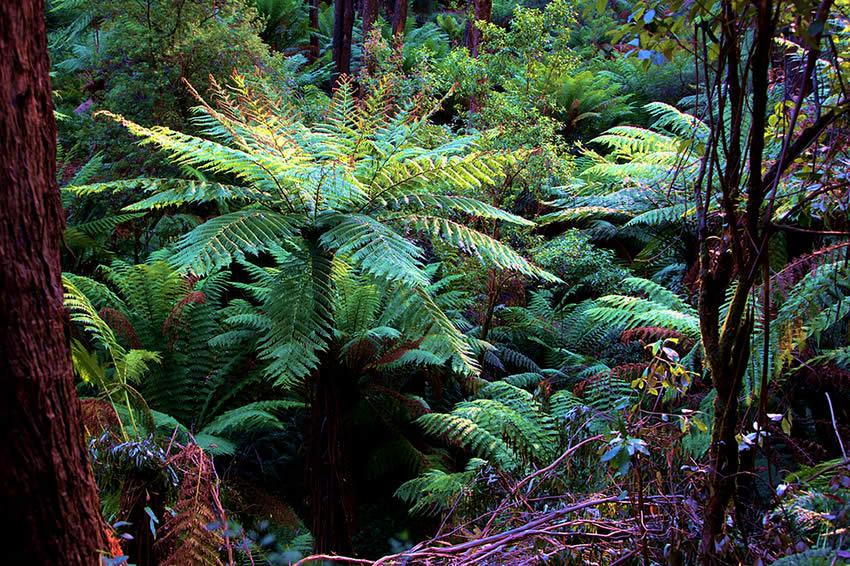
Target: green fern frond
{"x":466,"y":433}
{"x":299,"y":313}
{"x":480,"y":245}
{"x":251,"y":418}
{"x":218,"y":242}
{"x":464,"y":205}
{"x":377,"y":249}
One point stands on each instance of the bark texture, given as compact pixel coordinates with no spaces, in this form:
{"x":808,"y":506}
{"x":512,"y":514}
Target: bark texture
{"x":314,"y":26}
{"x":369,"y":14}
{"x":399,"y":20}
{"x":47,"y":492}
{"x":328,"y":459}
{"x":343,"y":28}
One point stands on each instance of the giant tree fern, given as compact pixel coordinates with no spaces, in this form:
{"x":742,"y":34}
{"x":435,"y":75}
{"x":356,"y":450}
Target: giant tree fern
{"x":356,"y":185}
{"x":352,"y":189}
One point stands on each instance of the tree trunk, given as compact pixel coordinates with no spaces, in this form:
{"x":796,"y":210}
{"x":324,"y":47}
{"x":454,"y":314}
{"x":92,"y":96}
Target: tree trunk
{"x":723,"y":461}
{"x":314,"y":27}
{"x":370,"y":14}
{"x":723,"y":465}
{"x":399,"y":21}
{"x":343,"y":27}
{"x":482,"y":10}
{"x":47,"y":493}
{"x":328,"y":458}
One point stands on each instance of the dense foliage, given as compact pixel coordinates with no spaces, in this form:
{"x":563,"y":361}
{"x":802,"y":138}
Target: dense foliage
{"x":531,"y":282}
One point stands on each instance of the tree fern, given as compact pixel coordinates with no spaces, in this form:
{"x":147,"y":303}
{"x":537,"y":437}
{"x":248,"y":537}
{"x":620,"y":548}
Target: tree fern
{"x":350,"y":185}
{"x":178,"y":382}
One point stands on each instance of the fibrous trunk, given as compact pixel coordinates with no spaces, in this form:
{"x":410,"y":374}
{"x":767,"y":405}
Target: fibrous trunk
{"x":343,"y":27}
{"x":334,"y":393}
{"x":50,"y":506}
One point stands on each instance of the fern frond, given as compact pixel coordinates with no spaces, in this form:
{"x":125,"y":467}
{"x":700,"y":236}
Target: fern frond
{"x":218,"y":242}
{"x":464,"y":205}
{"x":479,"y":244}
{"x":300,"y":314}
{"x":377,"y":249}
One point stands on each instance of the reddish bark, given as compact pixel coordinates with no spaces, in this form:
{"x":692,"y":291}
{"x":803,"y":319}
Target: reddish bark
{"x":399,"y":20}
{"x":47,"y":492}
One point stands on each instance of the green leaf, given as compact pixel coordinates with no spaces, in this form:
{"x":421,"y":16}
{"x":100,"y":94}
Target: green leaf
{"x":611,"y":453}
{"x":479,"y":244}
{"x":217,"y":242}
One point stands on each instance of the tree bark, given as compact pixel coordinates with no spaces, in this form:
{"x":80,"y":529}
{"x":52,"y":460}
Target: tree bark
{"x":343,"y":28}
{"x":47,"y":492}
{"x":314,"y":27}
{"x":370,"y":14}
{"x":398,"y":23}
{"x":723,"y":453}
{"x":329,"y":460}
{"x":481,"y":10}
{"x":727,"y":345}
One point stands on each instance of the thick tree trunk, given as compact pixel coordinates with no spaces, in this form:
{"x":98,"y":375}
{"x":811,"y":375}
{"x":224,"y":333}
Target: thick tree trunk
{"x":343,"y":27}
{"x":370,"y":14}
{"x":47,"y":493}
{"x":329,"y":460}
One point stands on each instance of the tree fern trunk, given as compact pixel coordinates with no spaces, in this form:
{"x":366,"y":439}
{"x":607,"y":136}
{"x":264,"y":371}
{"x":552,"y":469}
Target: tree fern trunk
{"x":50,"y":506}
{"x":328,"y":460}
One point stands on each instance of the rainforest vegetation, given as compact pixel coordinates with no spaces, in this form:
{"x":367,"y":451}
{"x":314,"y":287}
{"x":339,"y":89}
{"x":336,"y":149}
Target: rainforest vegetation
{"x":425,"y":282}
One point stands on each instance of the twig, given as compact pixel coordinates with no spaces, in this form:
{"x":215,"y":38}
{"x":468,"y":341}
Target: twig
{"x":835,"y":426}
{"x":332,"y":557}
